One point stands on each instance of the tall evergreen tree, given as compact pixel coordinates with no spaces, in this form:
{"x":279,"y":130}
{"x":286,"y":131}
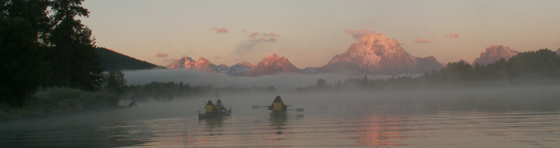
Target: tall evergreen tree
{"x":35,"y":12}
{"x":20,"y":61}
{"x":74,"y":62}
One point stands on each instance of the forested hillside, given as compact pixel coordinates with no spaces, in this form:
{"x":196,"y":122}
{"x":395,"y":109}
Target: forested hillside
{"x":111,"y":60}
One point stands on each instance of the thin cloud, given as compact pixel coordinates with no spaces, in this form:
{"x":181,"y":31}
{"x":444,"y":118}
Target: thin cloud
{"x":419,"y":40}
{"x":253,"y":35}
{"x":220,"y":30}
{"x":245,"y":47}
{"x":453,"y":35}
{"x":272,"y":40}
{"x":357,"y":34}
{"x":243,"y":30}
{"x":349,"y":31}
{"x":270,"y":34}
{"x":169,"y":60}
{"x":161,"y":55}
{"x":266,"y":40}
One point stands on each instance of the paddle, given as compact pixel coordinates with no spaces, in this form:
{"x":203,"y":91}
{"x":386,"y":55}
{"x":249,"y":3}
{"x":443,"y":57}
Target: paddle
{"x":202,"y":100}
{"x":299,"y":109}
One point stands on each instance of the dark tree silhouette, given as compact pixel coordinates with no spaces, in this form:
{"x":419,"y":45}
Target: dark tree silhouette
{"x":20,"y":64}
{"x":74,"y":62}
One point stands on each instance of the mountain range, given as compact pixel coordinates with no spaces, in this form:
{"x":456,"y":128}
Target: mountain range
{"x":373,"y":54}
{"x":238,"y":69}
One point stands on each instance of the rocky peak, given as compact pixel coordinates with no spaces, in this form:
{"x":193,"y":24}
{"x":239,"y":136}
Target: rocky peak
{"x":558,"y":51}
{"x":202,"y":62}
{"x":185,"y":62}
{"x":375,"y":39}
{"x":189,"y":63}
{"x":493,"y":54}
{"x":374,"y":53}
{"x":272,"y":64}
{"x":245,"y":63}
{"x":272,"y":56}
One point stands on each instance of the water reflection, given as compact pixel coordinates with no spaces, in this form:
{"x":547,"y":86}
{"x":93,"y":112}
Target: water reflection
{"x":213,"y":125}
{"x":379,"y":130}
{"x":278,"y":120}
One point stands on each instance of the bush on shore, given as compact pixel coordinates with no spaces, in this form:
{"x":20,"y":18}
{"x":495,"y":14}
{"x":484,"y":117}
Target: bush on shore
{"x":58,"y":101}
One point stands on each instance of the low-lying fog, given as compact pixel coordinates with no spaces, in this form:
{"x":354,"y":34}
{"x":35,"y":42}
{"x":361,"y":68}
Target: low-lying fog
{"x":283,"y":81}
{"x":502,"y":99}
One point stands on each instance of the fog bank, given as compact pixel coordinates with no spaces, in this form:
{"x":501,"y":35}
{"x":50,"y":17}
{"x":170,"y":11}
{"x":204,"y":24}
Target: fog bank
{"x":284,"y":81}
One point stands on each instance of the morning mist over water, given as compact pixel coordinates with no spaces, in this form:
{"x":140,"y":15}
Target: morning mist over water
{"x":282,"y":81}
{"x":525,"y":116}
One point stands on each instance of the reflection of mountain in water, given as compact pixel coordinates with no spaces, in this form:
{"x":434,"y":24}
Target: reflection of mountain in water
{"x":379,"y":130}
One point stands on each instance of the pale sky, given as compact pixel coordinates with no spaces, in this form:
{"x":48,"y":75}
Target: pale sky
{"x":310,"y":32}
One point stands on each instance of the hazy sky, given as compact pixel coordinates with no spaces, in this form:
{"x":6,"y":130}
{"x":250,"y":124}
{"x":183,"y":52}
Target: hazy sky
{"x":309,"y":33}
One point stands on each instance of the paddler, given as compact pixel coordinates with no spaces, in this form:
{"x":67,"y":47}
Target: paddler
{"x":219,"y":106}
{"x":278,"y":105}
{"x":210,"y":108}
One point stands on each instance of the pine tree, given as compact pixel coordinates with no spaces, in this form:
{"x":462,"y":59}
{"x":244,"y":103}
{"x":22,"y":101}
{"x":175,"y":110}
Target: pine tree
{"x":74,"y":62}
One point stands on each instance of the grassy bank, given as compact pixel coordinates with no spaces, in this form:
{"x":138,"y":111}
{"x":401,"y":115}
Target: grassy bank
{"x":60,"y":101}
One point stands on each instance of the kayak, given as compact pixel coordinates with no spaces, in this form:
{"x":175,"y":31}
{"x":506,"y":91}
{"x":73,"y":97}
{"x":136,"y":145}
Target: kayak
{"x":278,"y":114}
{"x":214,"y":115}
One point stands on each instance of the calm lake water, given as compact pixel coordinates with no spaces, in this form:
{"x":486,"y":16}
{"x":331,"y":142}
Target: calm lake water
{"x":513,"y":117}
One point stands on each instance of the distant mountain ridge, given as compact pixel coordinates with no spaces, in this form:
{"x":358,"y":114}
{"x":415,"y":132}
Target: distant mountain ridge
{"x":111,"y":60}
{"x":203,"y":64}
{"x":189,"y":63}
{"x":493,"y":54}
{"x":373,"y":54}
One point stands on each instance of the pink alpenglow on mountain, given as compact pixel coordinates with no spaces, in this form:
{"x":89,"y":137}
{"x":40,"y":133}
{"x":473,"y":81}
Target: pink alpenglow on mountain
{"x":494,"y":54}
{"x":245,"y":63}
{"x":189,"y":63}
{"x":377,"y":54}
{"x":272,"y":64}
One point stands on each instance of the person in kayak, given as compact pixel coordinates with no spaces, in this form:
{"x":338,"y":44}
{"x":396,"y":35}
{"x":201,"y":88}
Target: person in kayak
{"x":210,"y":108}
{"x":219,"y":106}
{"x":278,"y":105}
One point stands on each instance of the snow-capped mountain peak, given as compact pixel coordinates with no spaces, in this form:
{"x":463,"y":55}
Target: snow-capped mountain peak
{"x":272,"y":64}
{"x":493,"y":54}
{"x":377,"y":54}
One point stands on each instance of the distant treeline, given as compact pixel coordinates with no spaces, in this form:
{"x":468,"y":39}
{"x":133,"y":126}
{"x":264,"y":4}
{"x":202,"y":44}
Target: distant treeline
{"x":532,"y":66}
{"x":165,"y":91}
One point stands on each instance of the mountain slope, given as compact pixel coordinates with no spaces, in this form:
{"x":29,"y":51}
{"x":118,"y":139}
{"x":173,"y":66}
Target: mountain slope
{"x":240,"y":69}
{"x":111,"y":60}
{"x":494,"y":54}
{"x":272,"y":64}
{"x":189,"y":63}
{"x":377,"y":54}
